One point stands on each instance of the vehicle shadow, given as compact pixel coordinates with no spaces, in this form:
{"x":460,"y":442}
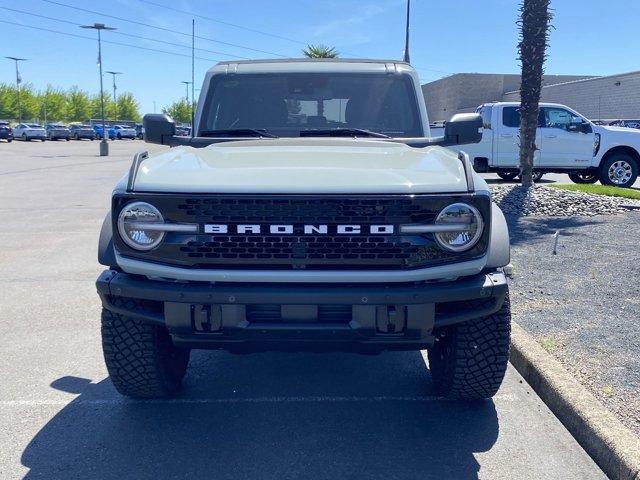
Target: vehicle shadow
{"x":269,"y":416}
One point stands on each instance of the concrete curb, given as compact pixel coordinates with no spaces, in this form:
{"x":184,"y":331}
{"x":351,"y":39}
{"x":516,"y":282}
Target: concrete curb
{"x":612,"y":446}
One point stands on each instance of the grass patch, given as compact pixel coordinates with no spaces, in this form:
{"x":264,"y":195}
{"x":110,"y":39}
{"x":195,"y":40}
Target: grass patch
{"x":547,"y":343}
{"x":599,"y":190}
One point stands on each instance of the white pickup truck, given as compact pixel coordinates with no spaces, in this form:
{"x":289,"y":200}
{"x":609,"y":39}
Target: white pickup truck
{"x":567,"y":143}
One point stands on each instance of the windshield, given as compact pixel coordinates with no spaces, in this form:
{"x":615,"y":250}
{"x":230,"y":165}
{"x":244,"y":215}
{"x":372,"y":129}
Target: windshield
{"x":34,"y":125}
{"x":286,"y":104}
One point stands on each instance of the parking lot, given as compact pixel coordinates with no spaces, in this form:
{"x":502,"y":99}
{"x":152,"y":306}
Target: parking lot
{"x":256,"y":416}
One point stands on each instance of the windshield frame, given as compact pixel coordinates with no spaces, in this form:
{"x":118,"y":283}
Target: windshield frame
{"x":412,"y":98}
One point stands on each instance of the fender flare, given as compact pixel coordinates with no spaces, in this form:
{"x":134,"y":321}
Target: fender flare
{"x":106,"y":252}
{"x":499,"y":245}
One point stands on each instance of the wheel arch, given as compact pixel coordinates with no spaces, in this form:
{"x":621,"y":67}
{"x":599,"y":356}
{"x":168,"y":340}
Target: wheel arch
{"x":625,"y":149}
{"x":499,"y":244}
{"x":106,"y":252}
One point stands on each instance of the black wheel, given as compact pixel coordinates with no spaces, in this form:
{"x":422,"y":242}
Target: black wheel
{"x":67,"y":139}
{"x":25,"y":138}
{"x":537,"y":176}
{"x":506,"y":175}
{"x":9,"y":140}
{"x":119,"y":137}
{"x":583,"y":178}
{"x":468,"y":360}
{"x":619,"y":170}
{"x":141,"y":359}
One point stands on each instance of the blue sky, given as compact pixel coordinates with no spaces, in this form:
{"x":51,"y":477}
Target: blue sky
{"x":591,"y":37}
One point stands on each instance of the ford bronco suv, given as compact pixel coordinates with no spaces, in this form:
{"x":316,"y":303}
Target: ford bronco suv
{"x":309,"y":210}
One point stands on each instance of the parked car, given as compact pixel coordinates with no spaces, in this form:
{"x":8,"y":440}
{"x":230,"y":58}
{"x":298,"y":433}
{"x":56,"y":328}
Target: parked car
{"x":78,"y":132}
{"x":566,"y":143}
{"x":56,"y":131}
{"x":139,"y":131}
{"x":29,"y":131}
{"x":626,"y":123}
{"x":183,"y":131}
{"x":6,"y":132}
{"x":110,"y":131}
{"x":123,"y":131}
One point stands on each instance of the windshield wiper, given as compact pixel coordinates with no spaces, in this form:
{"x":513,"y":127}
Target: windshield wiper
{"x":238,"y":132}
{"x":342,"y":132}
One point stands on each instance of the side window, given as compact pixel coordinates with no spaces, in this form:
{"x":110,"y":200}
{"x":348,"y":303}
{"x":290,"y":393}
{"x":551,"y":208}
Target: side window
{"x":485,"y":112}
{"x":511,"y":117}
{"x":556,"y":118}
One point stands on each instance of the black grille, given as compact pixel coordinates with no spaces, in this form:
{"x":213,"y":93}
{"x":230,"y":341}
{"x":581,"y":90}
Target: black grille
{"x":297,"y":250}
{"x":273,"y":314}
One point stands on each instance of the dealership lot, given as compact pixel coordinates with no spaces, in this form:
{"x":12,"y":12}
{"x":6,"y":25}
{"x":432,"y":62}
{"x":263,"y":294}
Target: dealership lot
{"x":257,"y":416}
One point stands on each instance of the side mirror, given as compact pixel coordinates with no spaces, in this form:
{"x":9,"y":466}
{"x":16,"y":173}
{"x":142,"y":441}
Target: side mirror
{"x":579,"y":125}
{"x":158,"y":128}
{"x":463,"y":128}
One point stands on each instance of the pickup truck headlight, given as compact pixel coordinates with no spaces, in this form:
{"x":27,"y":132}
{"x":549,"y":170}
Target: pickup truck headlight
{"x":136,"y":224}
{"x":462,"y":227}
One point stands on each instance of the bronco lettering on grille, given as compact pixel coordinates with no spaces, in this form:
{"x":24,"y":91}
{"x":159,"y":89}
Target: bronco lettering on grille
{"x":302,"y":229}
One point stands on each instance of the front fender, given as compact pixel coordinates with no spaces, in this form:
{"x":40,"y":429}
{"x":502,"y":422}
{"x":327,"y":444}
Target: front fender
{"x":106,"y":252}
{"x":499,"y":246}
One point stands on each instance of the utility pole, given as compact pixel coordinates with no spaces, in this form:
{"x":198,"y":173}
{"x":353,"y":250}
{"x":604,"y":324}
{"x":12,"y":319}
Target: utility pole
{"x":18,"y":82}
{"x":104,"y":146}
{"x":115,"y":97}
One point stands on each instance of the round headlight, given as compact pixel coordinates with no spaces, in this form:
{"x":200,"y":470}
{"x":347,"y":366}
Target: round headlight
{"x":463,"y":227}
{"x":135,"y":224}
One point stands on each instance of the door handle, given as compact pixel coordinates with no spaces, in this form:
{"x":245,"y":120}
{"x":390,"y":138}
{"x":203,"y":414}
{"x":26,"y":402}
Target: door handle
{"x":550,"y":136}
{"x":506,"y":135}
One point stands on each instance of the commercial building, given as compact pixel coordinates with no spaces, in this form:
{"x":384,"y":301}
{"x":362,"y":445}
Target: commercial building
{"x":614,"y":97}
{"x":463,"y":92}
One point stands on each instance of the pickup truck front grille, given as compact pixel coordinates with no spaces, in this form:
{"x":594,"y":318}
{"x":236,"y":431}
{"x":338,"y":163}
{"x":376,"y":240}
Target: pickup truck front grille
{"x":298,"y":250}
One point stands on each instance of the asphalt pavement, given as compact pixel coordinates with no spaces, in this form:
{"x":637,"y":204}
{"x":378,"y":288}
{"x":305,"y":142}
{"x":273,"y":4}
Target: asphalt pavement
{"x":262,"y":416}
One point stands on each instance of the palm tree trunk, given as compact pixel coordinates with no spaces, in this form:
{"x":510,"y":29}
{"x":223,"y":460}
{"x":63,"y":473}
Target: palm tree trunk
{"x":535,"y":21}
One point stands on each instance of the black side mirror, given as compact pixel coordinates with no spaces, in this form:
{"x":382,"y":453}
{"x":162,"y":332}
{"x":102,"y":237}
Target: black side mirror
{"x":158,"y":128}
{"x":463,"y":128}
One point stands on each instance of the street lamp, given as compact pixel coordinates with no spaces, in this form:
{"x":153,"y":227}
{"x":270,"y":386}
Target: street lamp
{"x":186,"y":84}
{"x":104,"y":146}
{"x":115,"y":98}
{"x":18,"y":82}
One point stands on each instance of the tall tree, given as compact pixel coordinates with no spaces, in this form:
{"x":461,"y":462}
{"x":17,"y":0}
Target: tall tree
{"x":78,"y":105}
{"x":128,"y":107}
{"x":179,"y":110}
{"x":53,"y":105}
{"x":534,"y":23}
{"x":320,"y":51}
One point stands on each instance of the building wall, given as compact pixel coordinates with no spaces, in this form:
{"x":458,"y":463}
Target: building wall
{"x":613,"y":97}
{"x":463,"y":92}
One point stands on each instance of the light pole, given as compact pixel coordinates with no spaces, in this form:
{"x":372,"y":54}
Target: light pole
{"x":18,"y":82}
{"x":104,"y":146}
{"x":186,"y":84}
{"x":115,"y":98}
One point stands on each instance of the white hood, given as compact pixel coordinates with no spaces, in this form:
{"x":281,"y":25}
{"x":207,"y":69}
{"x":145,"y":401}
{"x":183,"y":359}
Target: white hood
{"x":303,"y":165}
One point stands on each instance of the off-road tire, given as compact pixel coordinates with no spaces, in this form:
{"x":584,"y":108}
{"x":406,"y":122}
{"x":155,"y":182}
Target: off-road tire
{"x":583,"y":178}
{"x":506,"y":175}
{"x":468,"y":360}
{"x":140,"y":357}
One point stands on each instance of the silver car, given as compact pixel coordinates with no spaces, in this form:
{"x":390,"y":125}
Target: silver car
{"x":29,"y":131}
{"x":123,"y":131}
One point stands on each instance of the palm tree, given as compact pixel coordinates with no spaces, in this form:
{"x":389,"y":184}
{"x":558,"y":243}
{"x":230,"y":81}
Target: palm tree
{"x":535,"y":22}
{"x":320,"y":51}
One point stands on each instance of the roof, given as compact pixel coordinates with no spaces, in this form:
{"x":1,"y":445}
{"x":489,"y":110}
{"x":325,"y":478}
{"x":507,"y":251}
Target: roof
{"x":311,"y":60}
{"x":591,"y":79}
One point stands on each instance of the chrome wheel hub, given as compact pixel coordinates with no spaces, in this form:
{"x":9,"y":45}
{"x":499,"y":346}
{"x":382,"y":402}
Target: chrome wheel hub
{"x":620,"y":172}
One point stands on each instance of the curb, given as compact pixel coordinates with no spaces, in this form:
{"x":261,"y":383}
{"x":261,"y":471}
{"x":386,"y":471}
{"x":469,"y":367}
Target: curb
{"x":612,"y":446}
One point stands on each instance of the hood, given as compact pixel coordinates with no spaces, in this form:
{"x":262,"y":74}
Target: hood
{"x":303,"y":165}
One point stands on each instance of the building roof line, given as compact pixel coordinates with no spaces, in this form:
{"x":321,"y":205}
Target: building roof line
{"x":590,"y":79}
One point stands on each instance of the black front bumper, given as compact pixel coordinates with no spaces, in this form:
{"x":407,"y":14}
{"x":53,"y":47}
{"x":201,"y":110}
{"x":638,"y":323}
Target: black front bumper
{"x":302,"y":316}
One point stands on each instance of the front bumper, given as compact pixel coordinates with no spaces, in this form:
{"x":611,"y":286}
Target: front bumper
{"x":232,"y":316}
